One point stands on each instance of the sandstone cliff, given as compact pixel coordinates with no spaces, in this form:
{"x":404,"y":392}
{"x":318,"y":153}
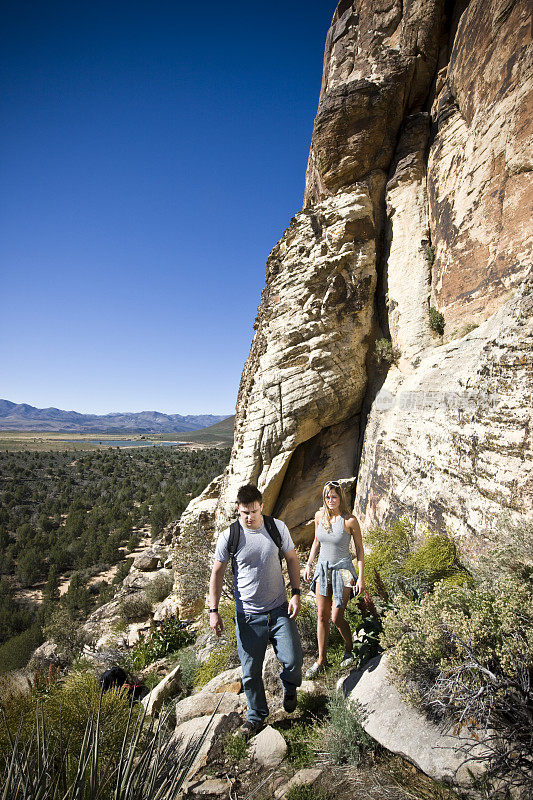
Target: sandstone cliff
{"x":418,"y":194}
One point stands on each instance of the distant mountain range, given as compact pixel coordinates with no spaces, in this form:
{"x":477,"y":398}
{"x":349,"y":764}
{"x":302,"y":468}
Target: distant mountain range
{"x":22,"y":417}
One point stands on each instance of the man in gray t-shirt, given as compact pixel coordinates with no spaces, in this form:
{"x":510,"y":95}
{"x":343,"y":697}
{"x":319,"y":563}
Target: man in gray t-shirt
{"x":263,"y":614}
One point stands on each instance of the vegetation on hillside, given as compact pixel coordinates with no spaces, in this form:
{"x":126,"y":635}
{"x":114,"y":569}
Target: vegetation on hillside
{"x":71,"y":514}
{"x":111,"y":751}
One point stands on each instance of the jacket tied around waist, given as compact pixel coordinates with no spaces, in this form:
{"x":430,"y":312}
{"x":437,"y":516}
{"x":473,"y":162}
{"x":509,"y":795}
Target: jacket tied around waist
{"x":337,"y":583}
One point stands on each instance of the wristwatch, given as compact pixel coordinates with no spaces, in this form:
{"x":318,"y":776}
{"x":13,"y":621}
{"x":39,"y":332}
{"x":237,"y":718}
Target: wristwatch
{"x":213,"y":610}
{"x":295,"y":591}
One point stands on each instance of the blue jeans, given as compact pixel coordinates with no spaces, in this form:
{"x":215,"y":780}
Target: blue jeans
{"x":254,"y":632}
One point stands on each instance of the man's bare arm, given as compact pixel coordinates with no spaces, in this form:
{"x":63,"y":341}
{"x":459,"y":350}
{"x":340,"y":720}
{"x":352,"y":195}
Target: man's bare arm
{"x":293,"y":568}
{"x":215,"y":591}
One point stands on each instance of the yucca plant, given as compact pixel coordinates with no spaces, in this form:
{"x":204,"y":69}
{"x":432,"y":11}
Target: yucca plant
{"x":152,"y":765}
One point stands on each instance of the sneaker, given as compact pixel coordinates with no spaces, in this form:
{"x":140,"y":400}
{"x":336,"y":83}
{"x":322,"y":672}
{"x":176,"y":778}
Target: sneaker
{"x":313,"y":671}
{"x":250,"y":728}
{"x":290,"y":701}
{"x":347,"y":659}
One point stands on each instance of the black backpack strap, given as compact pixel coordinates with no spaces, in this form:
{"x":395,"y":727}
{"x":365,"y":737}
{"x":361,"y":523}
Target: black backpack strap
{"x":235,"y":535}
{"x":233,"y":541}
{"x":275,"y":535}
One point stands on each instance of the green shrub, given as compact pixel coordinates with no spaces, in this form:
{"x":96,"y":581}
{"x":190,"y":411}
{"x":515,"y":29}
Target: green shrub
{"x":301,"y":739}
{"x":385,"y":352}
{"x":344,"y":736}
{"x":429,"y":254}
{"x":16,"y":651}
{"x":216,"y":663}
{"x":65,"y":632}
{"x":145,"y":762}
{"x":305,"y":791}
{"x":67,"y":705}
{"x":306,"y":623}
{"x":189,"y":664}
{"x":133,"y":541}
{"x":387,"y":550}
{"x":436,"y":320}
{"x":222,"y":655}
{"x":469,"y":654}
{"x":395,"y":564}
{"x":163,"y":640}
{"x":235,"y":747}
{"x":159,"y":588}
{"x":135,"y":607}
{"x":510,"y":547}
{"x":435,"y":558}
{"x":123,"y":570}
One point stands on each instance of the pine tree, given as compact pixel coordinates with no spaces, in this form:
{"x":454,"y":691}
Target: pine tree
{"x":51,"y":590}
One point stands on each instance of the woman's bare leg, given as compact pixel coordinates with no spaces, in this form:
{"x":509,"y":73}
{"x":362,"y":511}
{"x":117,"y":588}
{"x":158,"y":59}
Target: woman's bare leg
{"x":322,"y":625}
{"x":340,"y":623}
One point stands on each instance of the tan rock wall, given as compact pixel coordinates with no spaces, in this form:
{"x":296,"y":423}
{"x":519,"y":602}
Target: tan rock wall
{"x":450,"y":444}
{"x":407,"y":275}
{"x":306,"y":373}
{"x":479,"y":167}
{"x":379,"y":60}
{"x":306,"y":369}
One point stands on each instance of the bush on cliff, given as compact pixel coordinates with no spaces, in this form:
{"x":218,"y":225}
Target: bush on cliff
{"x":164,"y":639}
{"x":465,"y":653}
{"x":396,"y":564}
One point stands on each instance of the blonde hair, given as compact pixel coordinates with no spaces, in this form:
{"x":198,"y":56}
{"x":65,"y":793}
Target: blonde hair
{"x":344,"y":507}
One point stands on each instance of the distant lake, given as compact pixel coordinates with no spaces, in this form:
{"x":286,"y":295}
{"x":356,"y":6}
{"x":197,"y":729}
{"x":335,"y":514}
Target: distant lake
{"x":124,"y":442}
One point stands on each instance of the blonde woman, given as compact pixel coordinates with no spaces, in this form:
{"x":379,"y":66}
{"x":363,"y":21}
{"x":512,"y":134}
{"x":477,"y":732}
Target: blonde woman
{"x":335,"y":574}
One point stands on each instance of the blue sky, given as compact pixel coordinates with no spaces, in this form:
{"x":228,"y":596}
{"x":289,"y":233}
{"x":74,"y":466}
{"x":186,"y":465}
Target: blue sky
{"x":151,"y":155}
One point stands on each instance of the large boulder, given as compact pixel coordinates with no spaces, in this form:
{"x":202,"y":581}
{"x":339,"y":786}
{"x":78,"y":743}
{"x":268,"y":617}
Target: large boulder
{"x":213,"y":729}
{"x":404,"y":730}
{"x":228,"y":681}
{"x":147,"y":561}
{"x":170,"y":686}
{"x":48,"y":653}
{"x":268,"y":748}
{"x":206,"y":702}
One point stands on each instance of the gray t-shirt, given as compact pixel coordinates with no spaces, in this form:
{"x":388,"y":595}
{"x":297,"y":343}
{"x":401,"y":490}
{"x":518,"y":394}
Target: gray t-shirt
{"x":258,"y":580}
{"x":335,"y":543}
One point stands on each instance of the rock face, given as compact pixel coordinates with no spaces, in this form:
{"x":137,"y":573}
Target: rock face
{"x":479,"y":164}
{"x":306,"y":369}
{"x":418,"y":194}
{"x":448,"y":445}
{"x":447,"y":437}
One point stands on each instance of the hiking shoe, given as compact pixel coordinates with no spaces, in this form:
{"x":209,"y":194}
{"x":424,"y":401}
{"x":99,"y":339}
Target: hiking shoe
{"x":290,"y":701}
{"x":313,"y":671}
{"x":347,"y":659}
{"x":250,"y":728}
